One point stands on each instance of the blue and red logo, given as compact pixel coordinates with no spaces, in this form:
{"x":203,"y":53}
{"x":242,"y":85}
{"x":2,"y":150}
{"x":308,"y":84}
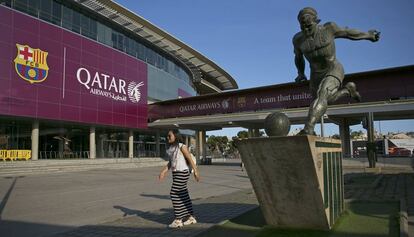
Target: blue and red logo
{"x":31,"y":64}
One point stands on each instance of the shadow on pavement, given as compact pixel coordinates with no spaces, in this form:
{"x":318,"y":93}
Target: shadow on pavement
{"x":23,"y":229}
{"x":11,"y":228}
{"x":156,"y":196}
{"x":226,"y":163}
{"x":127,"y":231}
{"x":204,"y":212}
{"x":7,"y":196}
{"x":242,"y":176}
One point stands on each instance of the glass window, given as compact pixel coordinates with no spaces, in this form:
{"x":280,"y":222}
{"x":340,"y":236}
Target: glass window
{"x":176,"y":71}
{"x":104,"y":34}
{"x":45,"y":12}
{"x":187,"y":78}
{"x":26,"y":6}
{"x":164,"y":64}
{"x":141,"y":51}
{"x":130,"y":46}
{"x":33,"y":7}
{"x":108,"y":36}
{"x":121,"y":42}
{"x":76,"y":21}
{"x":13,"y":135}
{"x":170,"y":66}
{"x":135,"y":47}
{"x":56,"y":13}
{"x":155,"y":59}
{"x":93,"y":28}
{"x":150,"y":56}
{"x":6,"y":2}
{"x":159,"y":61}
{"x":114,"y":38}
{"x":126,"y":43}
{"x":84,"y":24}
{"x":67,"y":17}
{"x":20,"y":5}
{"x":133,"y":44}
{"x":57,"y":145}
{"x":100,"y":32}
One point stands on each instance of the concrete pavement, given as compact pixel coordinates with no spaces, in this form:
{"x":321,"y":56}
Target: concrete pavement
{"x":44,"y":204}
{"x":390,"y":185}
{"x":209,"y":212}
{"x":131,"y":202}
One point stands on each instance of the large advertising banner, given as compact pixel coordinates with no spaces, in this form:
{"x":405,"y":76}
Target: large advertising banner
{"x":289,"y":95}
{"x":50,"y":73}
{"x":381,"y":85}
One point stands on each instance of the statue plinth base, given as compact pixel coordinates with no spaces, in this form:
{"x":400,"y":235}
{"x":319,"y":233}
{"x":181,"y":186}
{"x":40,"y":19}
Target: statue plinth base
{"x":297,"y":180}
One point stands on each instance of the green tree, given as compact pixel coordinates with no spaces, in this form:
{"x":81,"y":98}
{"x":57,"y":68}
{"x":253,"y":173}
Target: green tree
{"x":242,"y":134}
{"x":336,"y":136}
{"x":231,"y":147}
{"x":356,"y":134}
{"x":218,"y":143}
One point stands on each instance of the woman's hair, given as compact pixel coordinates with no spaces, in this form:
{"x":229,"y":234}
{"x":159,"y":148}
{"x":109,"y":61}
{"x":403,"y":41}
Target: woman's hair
{"x":177,"y":135}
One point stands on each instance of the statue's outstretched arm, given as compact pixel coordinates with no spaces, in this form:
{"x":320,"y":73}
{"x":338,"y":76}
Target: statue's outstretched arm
{"x":353,"y":34}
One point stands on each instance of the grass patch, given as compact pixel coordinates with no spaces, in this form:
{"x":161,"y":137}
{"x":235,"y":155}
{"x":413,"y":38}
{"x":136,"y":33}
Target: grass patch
{"x":361,"y":219}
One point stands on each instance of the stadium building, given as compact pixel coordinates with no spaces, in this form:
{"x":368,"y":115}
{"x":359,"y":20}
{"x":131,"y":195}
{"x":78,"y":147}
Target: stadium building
{"x":77,"y":76}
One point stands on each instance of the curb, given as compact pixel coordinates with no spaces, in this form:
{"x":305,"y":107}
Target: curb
{"x":34,"y":170}
{"x":361,"y":167}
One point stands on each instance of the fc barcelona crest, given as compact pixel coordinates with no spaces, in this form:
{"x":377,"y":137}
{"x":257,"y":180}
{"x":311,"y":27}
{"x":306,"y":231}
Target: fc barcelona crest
{"x":31,"y":64}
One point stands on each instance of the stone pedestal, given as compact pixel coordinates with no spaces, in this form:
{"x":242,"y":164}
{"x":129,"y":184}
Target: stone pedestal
{"x":297,"y":180}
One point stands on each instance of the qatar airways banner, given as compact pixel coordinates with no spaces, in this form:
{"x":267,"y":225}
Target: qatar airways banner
{"x":281,"y":96}
{"x":381,"y":85}
{"x":50,"y":73}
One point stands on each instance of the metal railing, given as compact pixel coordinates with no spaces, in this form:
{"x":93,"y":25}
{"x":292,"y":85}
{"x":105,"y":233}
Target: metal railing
{"x":63,"y":155}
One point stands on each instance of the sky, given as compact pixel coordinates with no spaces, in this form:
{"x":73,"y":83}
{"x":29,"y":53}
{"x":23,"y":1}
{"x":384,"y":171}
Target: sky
{"x":252,"y":39}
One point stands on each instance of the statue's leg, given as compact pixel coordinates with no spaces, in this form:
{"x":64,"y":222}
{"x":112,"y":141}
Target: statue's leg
{"x":348,"y":90}
{"x":328,"y":87}
{"x":351,"y":87}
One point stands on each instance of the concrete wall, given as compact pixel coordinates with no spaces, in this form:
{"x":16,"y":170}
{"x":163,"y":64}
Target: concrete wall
{"x":287,"y":174}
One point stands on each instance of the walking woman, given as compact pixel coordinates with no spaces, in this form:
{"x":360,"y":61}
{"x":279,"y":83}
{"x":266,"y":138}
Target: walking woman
{"x":180,"y":161}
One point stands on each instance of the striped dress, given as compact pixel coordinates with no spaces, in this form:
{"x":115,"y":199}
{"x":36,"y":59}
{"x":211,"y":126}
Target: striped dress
{"x":179,"y":195}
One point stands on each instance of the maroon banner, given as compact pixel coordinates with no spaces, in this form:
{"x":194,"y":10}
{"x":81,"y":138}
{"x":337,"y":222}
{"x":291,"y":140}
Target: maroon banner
{"x":280,"y":96}
{"x":380,"y":85}
{"x":50,"y":73}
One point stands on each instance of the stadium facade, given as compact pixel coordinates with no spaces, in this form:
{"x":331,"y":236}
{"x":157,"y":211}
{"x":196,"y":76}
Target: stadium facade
{"x":77,"y":77}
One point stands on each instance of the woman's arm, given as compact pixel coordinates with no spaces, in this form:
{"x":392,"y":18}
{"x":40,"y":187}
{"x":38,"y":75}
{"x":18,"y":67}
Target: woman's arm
{"x":163,"y":173}
{"x":190,"y":161}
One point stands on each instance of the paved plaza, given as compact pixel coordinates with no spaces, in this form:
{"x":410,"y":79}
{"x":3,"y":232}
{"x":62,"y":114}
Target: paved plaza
{"x":131,"y":202}
{"x":46,"y":204}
